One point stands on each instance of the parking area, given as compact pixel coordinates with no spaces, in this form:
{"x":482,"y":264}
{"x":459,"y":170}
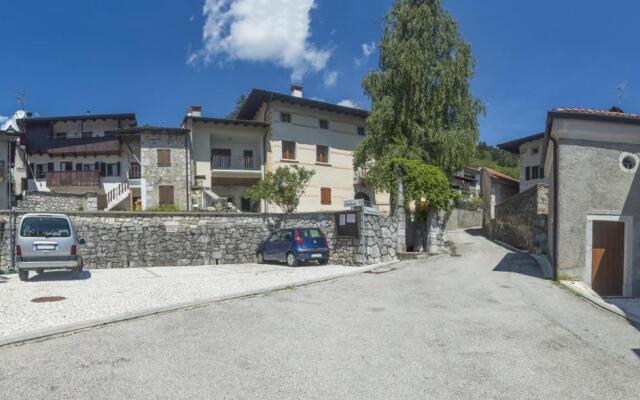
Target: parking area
{"x":57,"y":298}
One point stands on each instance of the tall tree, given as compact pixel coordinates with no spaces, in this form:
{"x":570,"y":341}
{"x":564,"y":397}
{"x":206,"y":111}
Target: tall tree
{"x":421,"y":103}
{"x":239,"y":102}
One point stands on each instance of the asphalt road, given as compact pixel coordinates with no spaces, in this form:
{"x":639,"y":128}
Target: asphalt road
{"x":477,"y":325}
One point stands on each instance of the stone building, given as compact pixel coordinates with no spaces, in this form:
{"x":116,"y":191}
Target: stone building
{"x":496,"y":188}
{"x":592,"y":158}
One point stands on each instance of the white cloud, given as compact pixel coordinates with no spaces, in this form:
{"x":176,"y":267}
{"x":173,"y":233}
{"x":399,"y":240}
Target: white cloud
{"x":349,"y":103}
{"x":274,"y":31}
{"x":330,"y":79}
{"x":367,"y":50}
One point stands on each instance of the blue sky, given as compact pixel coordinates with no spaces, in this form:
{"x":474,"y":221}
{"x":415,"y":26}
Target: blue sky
{"x":149,"y":57}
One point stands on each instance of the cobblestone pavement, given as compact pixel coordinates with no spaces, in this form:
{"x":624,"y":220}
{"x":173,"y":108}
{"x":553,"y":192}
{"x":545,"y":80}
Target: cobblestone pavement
{"x":103,"y":293}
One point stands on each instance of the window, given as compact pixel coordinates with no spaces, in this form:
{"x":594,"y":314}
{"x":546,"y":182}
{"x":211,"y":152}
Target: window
{"x":87,"y":135}
{"x":66,"y":166}
{"x":40,"y":171}
{"x":528,"y":173}
{"x":78,"y":166}
{"x":164,"y":158}
{"x":108,"y":169}
{"x":288,"y":150}
{"x":541,"y":173}
{"x":534,"y":173}
{"x":45,"y":227}
{"x":535,"y":150}
{"x":325,"y":196}
{"x":221,"y":158}
{"x":247,"y":159}
{"x":60,"y":135}
{"x":166,"y":195}
{"x":361,"y":131}
{"x":285,"y":117}
{"x":87,"y":167}
{"x":322,"y":154}
{"x":324,"y":124}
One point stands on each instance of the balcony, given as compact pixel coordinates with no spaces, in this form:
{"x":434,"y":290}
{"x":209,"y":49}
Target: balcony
{"x":56,"y":179}
{"x":242,"y":163}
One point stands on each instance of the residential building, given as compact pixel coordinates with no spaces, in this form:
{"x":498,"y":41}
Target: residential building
{"x":529,"y":150}
{"x":128,"y":167}
{"x":8,"y":139}
{"x":467,"y":180}
{"x":592,"y":160}
{"x":274,"y":130}
{"x":496,"y":187}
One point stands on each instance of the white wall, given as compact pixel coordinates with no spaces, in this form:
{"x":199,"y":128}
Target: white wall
{"x":531,"y":156}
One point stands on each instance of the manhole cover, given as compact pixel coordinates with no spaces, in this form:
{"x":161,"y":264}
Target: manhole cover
{"x":48,"y":299}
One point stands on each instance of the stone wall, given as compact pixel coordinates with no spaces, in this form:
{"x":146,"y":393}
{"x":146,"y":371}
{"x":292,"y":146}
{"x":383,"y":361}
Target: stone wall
{"x":458,"y":218}
{"x":128,"y":239}
{"x":427,"y":236}
{"x":174,"y":175}
{"x":521,"y":220}
{"x":58,"y":202}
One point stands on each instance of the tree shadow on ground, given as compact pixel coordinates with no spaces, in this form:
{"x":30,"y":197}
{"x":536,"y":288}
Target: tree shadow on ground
{"x":50,"y":276}
{"x":520,"y":264}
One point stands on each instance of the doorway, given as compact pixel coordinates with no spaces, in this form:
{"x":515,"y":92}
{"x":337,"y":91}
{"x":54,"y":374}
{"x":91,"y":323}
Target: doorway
{"x":607,"y":258}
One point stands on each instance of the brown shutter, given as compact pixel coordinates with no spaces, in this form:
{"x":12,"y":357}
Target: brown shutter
{"x":164,"y":158}
{"x":166,"y":195}
{"x":325,"y":196}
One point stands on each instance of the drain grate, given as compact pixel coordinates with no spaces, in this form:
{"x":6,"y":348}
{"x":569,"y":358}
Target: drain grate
{"x":48,"y":299}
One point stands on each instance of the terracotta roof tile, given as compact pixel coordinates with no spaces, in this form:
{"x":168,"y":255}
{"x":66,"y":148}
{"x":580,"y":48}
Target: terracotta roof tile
{"x":595,"y":112}
{"x":500,"y":175}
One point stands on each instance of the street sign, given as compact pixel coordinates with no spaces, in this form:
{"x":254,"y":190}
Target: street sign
{"x":353,"y":203}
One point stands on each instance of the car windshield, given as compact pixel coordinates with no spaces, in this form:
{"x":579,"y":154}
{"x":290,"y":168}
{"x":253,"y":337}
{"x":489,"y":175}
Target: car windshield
{"x":45,"y":227}
{"x":311,"y":233}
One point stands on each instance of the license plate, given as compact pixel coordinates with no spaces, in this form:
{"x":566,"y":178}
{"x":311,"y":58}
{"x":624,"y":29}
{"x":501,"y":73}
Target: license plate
{"x":316,"y":256}
{"x":46,"y":247}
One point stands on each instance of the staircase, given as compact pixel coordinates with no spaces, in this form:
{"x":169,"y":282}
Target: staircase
{"x":115,"y":196}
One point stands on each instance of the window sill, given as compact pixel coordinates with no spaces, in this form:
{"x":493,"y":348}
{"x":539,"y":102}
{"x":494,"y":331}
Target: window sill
{"x":324,"y":164}
{"x":284,"y":160}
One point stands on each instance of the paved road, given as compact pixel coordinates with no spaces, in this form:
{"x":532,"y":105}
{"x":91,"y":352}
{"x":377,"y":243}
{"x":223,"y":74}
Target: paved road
{"x":478,"y":325}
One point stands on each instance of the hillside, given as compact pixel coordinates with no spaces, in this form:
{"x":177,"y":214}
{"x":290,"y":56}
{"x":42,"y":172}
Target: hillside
{"x":497,"y":159}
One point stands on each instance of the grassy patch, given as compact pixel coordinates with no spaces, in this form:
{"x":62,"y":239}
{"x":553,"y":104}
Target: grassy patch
{"x":165,"y":208}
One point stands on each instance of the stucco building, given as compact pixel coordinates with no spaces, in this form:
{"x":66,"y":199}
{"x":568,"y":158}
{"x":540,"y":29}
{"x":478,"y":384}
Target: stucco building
{"x":274,"y":130}
{"x":529,"y":151}
{"x":592,"y":160}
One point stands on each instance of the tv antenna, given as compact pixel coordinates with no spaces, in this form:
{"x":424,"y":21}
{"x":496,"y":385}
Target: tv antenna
{"x":20,"y":96}
{"x":622,"y":91}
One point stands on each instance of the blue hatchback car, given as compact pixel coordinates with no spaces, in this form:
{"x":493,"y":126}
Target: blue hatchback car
{"x":293,"y":245}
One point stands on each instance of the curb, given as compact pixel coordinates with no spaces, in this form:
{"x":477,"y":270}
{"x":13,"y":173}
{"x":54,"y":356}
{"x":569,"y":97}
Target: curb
{"x":69,"y":329}
{"x":598,"y":302}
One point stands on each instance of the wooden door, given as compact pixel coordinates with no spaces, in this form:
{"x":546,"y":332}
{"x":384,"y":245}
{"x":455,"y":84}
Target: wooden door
{"x":607,"y":268}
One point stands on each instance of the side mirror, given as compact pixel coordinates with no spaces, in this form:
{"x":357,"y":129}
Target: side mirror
{"x":82,"y":241}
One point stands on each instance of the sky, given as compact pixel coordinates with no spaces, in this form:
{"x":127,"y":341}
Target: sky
{"x":157,"y":57}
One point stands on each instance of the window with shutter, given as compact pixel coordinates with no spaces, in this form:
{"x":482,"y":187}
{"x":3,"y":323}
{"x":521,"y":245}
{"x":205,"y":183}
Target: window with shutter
{"x":166,"y":195}
{"x":288,"y":150}
{"x":164,"y":158}
{"x":325,"y":196}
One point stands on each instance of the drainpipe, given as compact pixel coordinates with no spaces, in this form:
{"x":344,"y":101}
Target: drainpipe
{"x":556,"y":161}
{"x":187,"y":161}
{"x":264,"y":146}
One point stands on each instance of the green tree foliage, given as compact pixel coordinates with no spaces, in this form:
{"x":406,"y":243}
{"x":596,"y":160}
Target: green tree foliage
{"x":284,"y":187}
{"x":420,"y":180}
{"x":421,"y":103}
{"x":497,"y":159}
{"x":239,"y":102}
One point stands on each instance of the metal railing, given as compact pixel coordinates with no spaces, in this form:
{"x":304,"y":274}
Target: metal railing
{"x":239,"y":163}
{"x":73,"y":178}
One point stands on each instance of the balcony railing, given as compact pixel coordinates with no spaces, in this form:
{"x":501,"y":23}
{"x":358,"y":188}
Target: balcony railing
{"x":134,"y":171}
{"x":73,"y":178}
{"x":239,"y":163}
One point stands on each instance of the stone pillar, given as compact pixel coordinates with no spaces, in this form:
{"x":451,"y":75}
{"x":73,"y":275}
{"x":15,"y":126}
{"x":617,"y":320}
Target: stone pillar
{"x":401,"y":215}
{"x":435,"y":235}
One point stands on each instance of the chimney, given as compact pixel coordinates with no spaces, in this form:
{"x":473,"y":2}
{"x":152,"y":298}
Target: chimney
{"x":194,"y":111}
{"x":296,"y":91}
{"x":616,"y":109}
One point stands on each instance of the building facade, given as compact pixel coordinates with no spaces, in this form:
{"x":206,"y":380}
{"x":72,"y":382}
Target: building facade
{"x":594,"y":234}
{"x":529,"y":150}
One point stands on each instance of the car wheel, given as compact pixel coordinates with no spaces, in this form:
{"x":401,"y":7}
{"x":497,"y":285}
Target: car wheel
{"x":324,"y":261}
{"x":23,"y":275}
{"x":260,"y":258}
{"x":40,"y":271}
{"x":292,"y":261}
